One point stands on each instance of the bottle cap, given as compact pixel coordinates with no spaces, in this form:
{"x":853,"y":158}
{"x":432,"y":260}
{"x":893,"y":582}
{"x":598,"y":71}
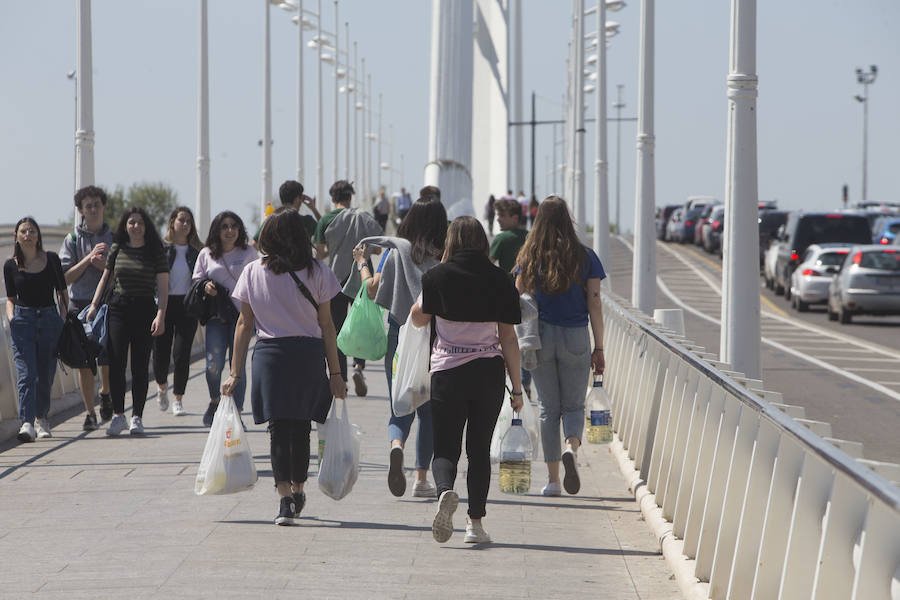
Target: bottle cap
{"x":516,"y":422}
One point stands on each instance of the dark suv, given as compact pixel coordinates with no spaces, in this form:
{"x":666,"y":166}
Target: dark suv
{"x":803,"y":229}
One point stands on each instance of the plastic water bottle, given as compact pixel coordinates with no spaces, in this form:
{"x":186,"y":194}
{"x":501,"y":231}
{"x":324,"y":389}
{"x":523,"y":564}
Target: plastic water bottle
{"x":600,"y":427}
{"x":515,"y":460}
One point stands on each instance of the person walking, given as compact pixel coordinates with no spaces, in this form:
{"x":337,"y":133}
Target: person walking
{"x":404,"y":204}
{"x":564,"y":278}
{"x":182,"y":248}
{"x":474,"y":337}
{"x":32,"y":275}
{"x":286,"y":296}
{"x":489,"y":212}
{"x":291,"y":194}
{"x":381,"y":209}
{"x":83,"y":258}
{"x":221,"y":262}
{"x":137,"y":269}
{"x":396,"y":284}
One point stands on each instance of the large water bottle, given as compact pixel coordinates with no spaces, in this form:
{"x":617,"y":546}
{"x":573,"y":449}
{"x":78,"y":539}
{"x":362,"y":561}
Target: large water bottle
{"x":600,"y":427}
{"x":515,"y":459}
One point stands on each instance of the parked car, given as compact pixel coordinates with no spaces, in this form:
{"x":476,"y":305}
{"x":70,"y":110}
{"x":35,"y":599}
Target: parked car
{"x":673,"y":226}
{"x":811,"y":278}
{"x":803,"y":229}
{"x":699,"y":202}
{"x":662,"y":219}
{"x":868,"y":284}
{"x":769,"y":222}
{"x":685,"y":232}
{"x":712,"y":237}
{"x":769,"y":264}
{"x":885,"y":229}
{"x":703,"y":223}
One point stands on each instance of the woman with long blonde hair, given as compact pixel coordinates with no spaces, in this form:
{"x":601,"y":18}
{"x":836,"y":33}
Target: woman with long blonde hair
{"x":564,"y":277}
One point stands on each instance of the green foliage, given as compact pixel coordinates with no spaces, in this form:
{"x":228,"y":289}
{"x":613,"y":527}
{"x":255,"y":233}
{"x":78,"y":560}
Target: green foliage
{"x":157,"y":198}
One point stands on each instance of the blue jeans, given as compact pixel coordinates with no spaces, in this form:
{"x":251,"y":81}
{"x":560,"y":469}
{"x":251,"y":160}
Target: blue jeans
{"x":35,"y":334}
{"x":219,"y":339}
{"x":398,"y":427}
{"x":561,"y":379}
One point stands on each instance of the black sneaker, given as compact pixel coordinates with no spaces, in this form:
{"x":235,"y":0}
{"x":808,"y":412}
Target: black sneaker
{"x":396,"y":478}
{"x":90,"y":422}
{"x":286,"y":512}
{"x":106,"y":407}
{"x":299,"y":502}
{"x":210,"y":414}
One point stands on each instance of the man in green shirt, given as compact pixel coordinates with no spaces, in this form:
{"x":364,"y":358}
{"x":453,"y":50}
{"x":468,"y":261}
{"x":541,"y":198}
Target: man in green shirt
{"x":506,"y":245}
{"x":291,"y":194}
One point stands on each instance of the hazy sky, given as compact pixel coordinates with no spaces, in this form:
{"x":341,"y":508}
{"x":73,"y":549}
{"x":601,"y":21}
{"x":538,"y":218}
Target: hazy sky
{"x":145,"y":96}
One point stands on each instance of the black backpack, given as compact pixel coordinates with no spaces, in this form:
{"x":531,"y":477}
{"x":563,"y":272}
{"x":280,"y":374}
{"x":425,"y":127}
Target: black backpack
{"x":74,"y":348}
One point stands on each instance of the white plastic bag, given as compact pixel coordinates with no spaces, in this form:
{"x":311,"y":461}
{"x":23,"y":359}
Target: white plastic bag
{"x":227,"y":463}
{"x":411,"y":385}
{"x":504,"y":422}
{"x":340,"y":465}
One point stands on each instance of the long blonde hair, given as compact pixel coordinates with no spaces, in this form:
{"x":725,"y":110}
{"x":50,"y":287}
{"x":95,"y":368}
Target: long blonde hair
{"x":552,"y":255}
{"x":193,"y":239}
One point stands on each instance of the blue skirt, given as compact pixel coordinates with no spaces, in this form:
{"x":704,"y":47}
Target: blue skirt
{"x":290,"y":380}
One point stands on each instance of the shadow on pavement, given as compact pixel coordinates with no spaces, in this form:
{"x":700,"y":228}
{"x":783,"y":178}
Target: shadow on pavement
{"x":566,"y":549}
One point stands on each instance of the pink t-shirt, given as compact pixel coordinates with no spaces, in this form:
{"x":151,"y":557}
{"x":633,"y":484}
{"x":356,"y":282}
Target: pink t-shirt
{"x":226,"y":269}
{"x":459,"y":342}
{"x":279,"y":307}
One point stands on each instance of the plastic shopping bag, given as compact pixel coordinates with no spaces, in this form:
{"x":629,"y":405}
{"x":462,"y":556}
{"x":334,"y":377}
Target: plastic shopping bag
{"x":363,"y":334}
{"x":504,"y":421}
{"x":227,"y":463}
{"x":411,"y":384}
{"x":340,"y":465}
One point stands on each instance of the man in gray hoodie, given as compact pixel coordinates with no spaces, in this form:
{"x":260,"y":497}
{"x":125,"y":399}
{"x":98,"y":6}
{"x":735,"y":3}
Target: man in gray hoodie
{"x":83,"y":257}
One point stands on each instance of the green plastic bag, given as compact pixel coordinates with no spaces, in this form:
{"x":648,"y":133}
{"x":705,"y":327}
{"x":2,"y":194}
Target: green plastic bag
{"x":363,"y":334}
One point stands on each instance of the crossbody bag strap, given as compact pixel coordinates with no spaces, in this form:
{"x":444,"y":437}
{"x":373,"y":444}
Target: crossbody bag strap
{"x":304,"y":290}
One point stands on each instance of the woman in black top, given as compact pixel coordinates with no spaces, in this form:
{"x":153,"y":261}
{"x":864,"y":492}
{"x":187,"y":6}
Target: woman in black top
{"x":35,"y":322}
{"x":138,"y":269}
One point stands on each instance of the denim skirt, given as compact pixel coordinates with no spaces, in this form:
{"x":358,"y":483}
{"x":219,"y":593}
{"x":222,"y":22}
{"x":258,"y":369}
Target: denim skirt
{"x":290,"y":380}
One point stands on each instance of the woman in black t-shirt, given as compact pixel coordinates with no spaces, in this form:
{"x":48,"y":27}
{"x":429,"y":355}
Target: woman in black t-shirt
{"x":35,"y":322}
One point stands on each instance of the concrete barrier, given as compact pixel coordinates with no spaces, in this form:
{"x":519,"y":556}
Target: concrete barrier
{"x":747,"y":502}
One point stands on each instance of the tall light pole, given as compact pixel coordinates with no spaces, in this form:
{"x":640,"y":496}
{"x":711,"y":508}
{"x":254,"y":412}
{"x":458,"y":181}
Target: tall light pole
{"x":267,"y":120}
{"x":356,"y":85}
{"x":866,"y":78}
{"x":337,"y":62}
{"x":619,"y":105}
{"x":320,"y":176}
{"x":347,"y":91}
{"x":73,"y":76}
{"x":601,"y":163}
{"x":578,"y":122}
{"x":378,"y":149}
{"x":84,"y":128}
{"x":202,"y":200}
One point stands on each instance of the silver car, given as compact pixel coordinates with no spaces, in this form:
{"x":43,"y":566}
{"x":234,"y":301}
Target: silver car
{"x":811,"y":278}
{"x":868,"y":284}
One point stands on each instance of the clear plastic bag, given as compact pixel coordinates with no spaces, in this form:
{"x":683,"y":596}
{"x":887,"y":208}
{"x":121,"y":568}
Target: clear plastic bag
{"x":411,"y":385}
{"x":339,"y":467}
{"x":227,"y":463}
{"x":504,"y":421}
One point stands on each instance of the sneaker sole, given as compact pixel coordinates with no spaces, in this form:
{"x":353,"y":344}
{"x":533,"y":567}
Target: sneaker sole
{"x":284,"y":520}
{"x":424,"y":494}
{"x":396,"y":478}
{"x":24,"y":437}
{"x":178,"y":414}
{"x":163,"y":407}
{"x":571,"y":481}
{"x":44,"y":436}
{"x":442,"y":526}
{"x":135,"y":432}
{"x":477,"y":540}
{"x":360,"y":384}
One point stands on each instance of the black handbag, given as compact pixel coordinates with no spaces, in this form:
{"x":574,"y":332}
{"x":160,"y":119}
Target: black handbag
{"x":75,"y":349}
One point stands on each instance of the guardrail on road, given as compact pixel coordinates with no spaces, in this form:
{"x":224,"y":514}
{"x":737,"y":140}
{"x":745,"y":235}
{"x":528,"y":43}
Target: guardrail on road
{"x":755,"y":504}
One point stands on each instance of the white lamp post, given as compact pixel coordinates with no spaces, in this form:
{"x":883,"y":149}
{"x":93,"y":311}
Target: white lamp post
{"x":84,"y":129}
{"x":202,"y":207}
{"x":866,"y":78}
{"x":267,"y":117}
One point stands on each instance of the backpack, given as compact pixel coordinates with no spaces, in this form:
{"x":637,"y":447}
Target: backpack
{"x":74,"y":348}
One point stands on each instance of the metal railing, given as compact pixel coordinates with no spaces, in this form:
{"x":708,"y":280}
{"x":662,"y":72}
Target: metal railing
{"x":760,"y":505}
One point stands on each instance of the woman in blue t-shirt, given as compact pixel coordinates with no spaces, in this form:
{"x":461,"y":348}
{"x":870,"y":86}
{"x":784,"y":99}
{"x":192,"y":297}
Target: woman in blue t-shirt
{"x":564,"y":277}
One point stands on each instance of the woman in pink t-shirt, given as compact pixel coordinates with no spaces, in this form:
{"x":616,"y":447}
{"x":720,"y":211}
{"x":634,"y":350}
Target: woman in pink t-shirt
{"x":287,"y":295}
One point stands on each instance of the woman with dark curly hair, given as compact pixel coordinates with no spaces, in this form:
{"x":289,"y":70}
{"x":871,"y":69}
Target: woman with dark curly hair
{"x":223,"y":259}
{"x":286,"y":295}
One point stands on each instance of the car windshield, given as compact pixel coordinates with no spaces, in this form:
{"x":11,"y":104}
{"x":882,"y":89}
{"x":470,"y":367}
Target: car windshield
{"x":894,"y":227}
{"x":829,"y":259}
{"x":769,"y":221}
{"x":879,"y":259}
{"x":692,"y":214}
{"x":822,"y":229}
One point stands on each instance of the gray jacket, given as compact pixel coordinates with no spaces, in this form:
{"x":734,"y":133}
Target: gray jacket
{"x":529,"y":332}
{"x":71,"y":253}
{"x":342,"y":235}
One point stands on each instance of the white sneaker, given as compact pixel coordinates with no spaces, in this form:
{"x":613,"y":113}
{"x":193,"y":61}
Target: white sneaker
{"x":116,"y":425}
{"x":424,"y":489}
{"x":475,"y":534}
{"x":26,"y":433}
{"x":442,"y":526}
{"x":177,"y":408}
{"x":42,"y":426}
{"x":552,"y":489}
{"x":137,"y":426}
{"x":162,"y":399}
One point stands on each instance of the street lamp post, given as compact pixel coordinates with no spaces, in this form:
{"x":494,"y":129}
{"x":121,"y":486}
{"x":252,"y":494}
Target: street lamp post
{"x":84,"y":129}
{"x":619,"y":105}
{"x":866,"y":78}
{"x":267,"y":120}
{"x":202,"y":200}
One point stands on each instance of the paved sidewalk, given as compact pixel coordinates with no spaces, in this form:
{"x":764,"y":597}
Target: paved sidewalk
{"x":86,"y":516}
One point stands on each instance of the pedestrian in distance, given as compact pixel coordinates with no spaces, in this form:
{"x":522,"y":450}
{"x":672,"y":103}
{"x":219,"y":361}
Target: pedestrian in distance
{"x":291,"y":194}
{"x":395,"y":285}
{"x":404,"y":204}
{"x":137,"y":269}
{"x":83,"y":257}
{"x":221,"y":262}
{"x":564,"y":278}
{"x":430,"y":193}
{"x":286,"y":296}
{"x":532,"y":211}
{"x":182,"y":246}
{"x":32,"y":276}
{"x":382,"y":208}
{"x":473,"y":338}
{"x":489,"y":212}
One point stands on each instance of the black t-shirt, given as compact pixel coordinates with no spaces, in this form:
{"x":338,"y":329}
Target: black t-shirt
{"x":34,"y":289}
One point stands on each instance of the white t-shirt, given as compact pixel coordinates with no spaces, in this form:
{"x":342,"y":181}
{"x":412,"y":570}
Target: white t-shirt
{"x":180,"y":273}
{"x":226,"y":269}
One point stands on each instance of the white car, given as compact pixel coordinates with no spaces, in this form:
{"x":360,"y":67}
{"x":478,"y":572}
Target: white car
{"x":868,"y":284}
{"x":769,"y":264}
{"x":811,"y":278}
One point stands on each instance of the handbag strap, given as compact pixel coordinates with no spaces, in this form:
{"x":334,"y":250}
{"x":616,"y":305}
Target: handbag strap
{"x":304,"y":290}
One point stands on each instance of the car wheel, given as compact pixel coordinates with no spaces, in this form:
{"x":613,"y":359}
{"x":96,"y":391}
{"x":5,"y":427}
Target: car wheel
{"x":844,"y":316}
{"x":779,"y":289}
{"x":787,"y":292}
{"x":801,"y":305}
{"x":832,"y":316}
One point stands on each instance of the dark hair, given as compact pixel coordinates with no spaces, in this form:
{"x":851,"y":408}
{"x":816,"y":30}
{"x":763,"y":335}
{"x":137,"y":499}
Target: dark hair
{"x":214,"y":239}
{"x":193,"y":239}
{"x":341,"y":192}
{"x":425,"y":226}
{"x":289,"y":191}
{"x":17,"y":250}
{"x":508,"y":207}
{"x":465,"y":233}
{"x":429,"y":193}
{"x":283,"y":250}
{"x":151,"y":237}
{"x":552,"y":253}
{"x":90,"y":191}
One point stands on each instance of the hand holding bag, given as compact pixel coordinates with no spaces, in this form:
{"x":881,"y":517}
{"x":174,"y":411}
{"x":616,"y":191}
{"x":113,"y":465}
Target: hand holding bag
{"x":411,"y":384}
{"x":340,"y":466}
{"x":227,"y":463}
{"x":363,"y":334}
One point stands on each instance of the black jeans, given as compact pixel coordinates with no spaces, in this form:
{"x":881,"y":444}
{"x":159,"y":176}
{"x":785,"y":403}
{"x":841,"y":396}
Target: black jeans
{"x":469,"y":396}
{"x":289,"y":449}
{"x":339,"y":306}
{"x":128,"y":324}
{"x":180,"y":328}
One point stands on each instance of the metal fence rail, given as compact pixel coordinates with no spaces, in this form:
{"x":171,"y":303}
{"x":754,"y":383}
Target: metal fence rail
{"x":763,"y":507}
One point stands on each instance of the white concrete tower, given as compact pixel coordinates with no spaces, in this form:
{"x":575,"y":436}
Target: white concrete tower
{"x":84,"y":128}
